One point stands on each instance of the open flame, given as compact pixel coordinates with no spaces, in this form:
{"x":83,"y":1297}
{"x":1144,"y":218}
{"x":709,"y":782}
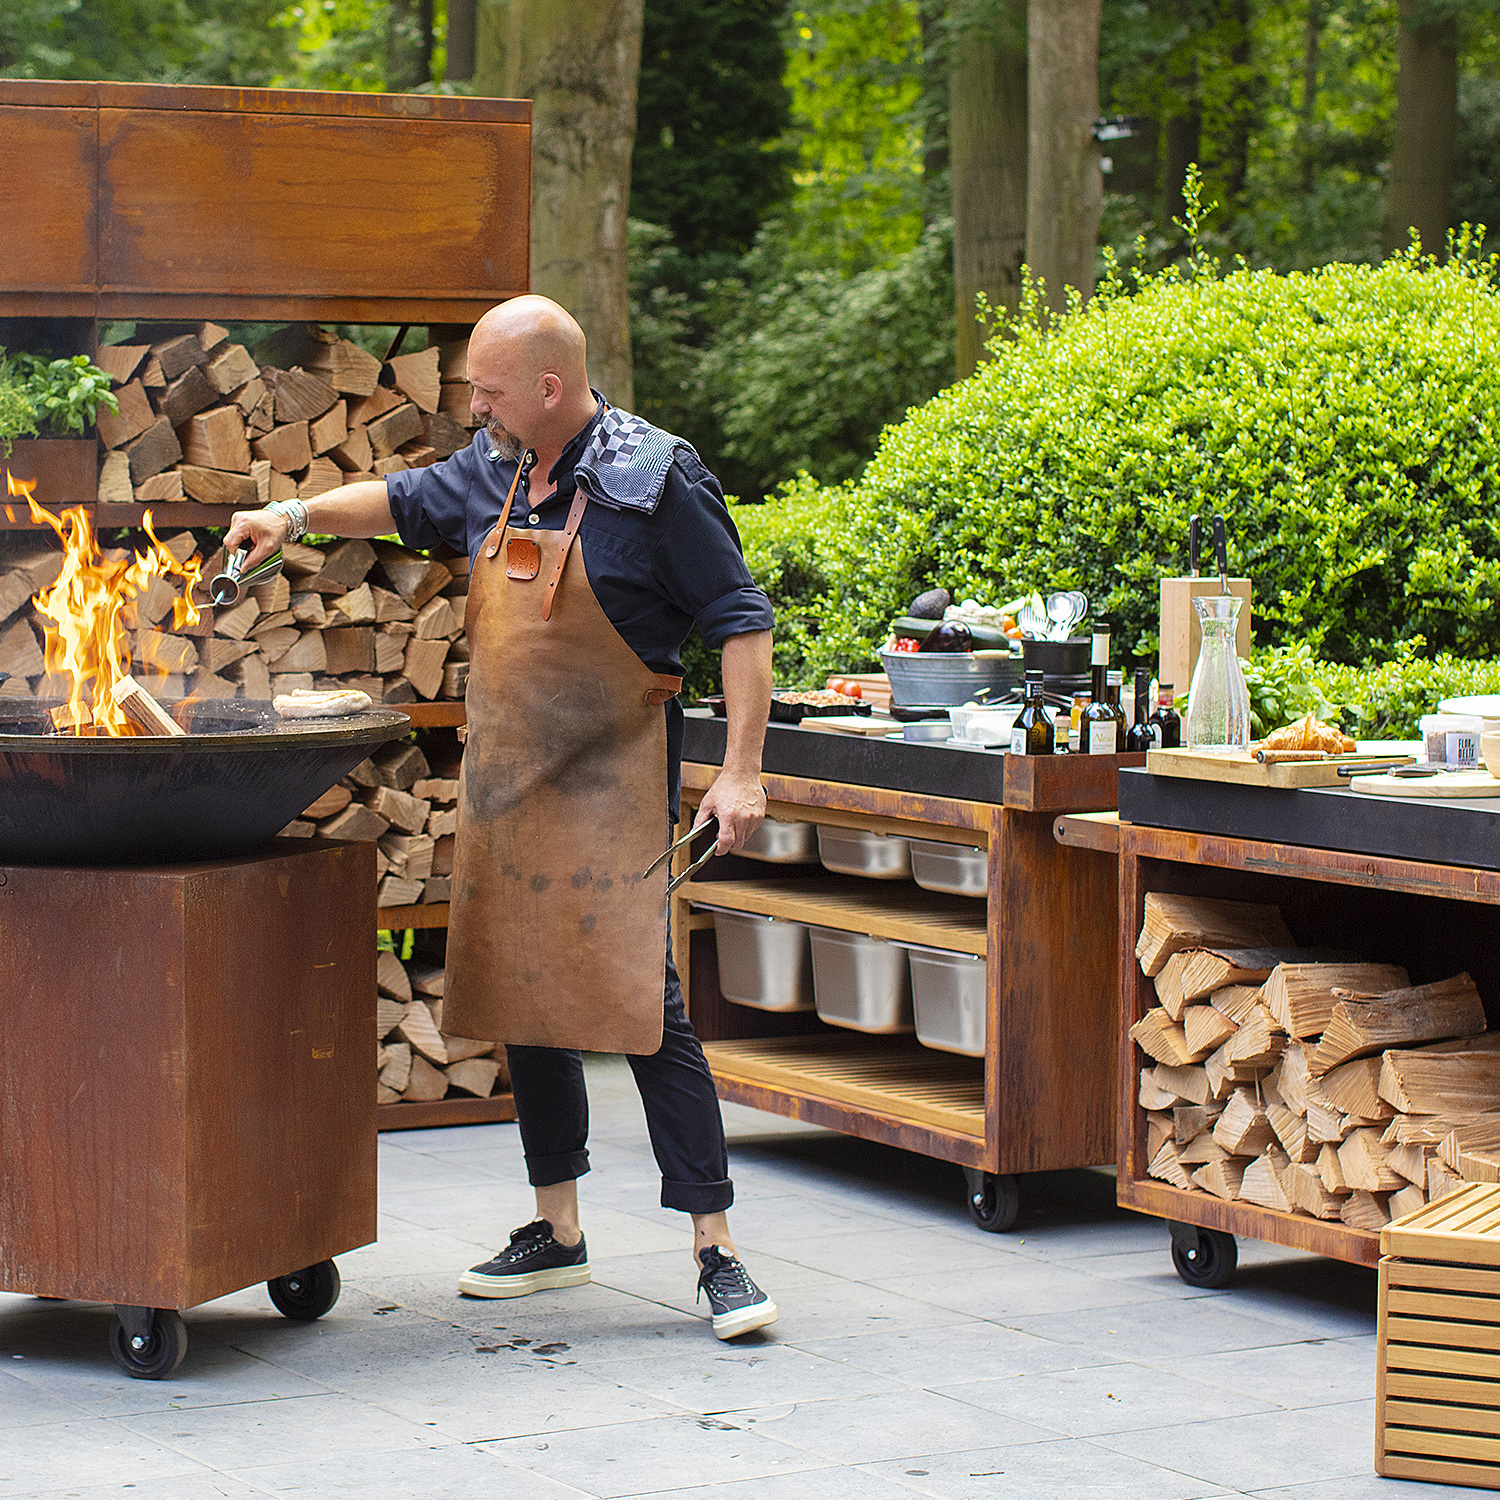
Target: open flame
{"x":85,"y":637}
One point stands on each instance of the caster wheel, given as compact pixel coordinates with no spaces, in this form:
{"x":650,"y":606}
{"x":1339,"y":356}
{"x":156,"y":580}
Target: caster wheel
{"x":153,"y":1347}
{"x":1203,"y":1257}
{"x":306,"y":1295}
{"x":994,"y":1200}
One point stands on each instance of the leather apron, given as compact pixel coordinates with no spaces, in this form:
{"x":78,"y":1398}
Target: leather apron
{"x":554,"y":937}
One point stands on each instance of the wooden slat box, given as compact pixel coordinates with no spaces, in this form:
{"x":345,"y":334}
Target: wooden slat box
{"x":1437,"y":1395}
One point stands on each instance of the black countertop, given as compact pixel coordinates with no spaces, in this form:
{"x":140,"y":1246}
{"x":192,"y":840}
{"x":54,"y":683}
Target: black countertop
{"x":1457,"y":831}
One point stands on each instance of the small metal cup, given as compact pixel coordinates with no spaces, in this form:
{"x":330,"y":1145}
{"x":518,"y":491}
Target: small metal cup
{"x":228,"y":587}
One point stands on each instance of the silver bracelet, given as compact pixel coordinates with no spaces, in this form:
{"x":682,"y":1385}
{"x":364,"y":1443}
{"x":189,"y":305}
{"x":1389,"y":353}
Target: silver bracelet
{"x":295,"y":513}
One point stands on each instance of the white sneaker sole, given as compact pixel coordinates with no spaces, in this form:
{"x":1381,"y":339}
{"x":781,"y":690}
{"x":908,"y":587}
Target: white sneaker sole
{"x":745,"y":1320}
{"x":475,"y":1284}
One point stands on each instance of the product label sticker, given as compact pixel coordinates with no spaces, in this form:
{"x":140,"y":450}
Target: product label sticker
{"x":1103,"y":738}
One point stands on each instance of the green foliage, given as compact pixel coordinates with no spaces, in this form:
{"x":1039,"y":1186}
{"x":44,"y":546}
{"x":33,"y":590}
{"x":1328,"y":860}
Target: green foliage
{"x":1286,"y":683}
{"x":1386,"y":699}
{"x":1343,"y":421}
{"x":17,"y":411}
{"x":55,"y":396}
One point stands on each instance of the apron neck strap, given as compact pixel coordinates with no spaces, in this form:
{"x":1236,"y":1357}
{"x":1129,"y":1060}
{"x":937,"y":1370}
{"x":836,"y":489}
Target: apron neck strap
{"x":510,"y":498}
{"x":575,"y":519}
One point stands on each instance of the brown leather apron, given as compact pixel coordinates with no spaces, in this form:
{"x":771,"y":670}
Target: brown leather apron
{"x":554,"y":937}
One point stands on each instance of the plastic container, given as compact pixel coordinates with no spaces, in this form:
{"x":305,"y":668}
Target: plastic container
{"x":943,"y":679}
{"x":954,"y":869}
{"x":783,"y":843}
{"x":1453,"y":739}
{"x":861,"y":982}
{"x":984,"y":726}
{"x":764,"y":962}
{"x":947,"y":991}
{"x":851,"y":851}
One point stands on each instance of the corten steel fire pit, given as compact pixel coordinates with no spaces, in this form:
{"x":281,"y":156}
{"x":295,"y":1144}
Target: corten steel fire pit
{"x":231,"y":783}
{"x":186,"y":1019}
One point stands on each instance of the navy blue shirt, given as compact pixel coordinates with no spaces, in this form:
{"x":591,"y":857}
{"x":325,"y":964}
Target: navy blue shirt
{"x":654,"y":575}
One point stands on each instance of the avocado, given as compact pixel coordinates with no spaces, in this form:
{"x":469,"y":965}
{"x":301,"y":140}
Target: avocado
{"x":930,"y":606}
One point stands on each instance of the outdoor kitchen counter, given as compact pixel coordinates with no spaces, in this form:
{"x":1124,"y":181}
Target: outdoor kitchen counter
{"x":1042,"y":1095}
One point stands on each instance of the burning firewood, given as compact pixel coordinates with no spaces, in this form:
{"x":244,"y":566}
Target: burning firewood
{"x":148,"y":716}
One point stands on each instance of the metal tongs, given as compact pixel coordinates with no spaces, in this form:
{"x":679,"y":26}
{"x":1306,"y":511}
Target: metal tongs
{"x":697,"y":864}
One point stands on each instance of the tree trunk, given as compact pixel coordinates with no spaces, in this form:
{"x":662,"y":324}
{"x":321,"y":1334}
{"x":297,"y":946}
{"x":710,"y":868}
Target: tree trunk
{"x":1064,"y":187}
{"x":1244,"y":105}
{"x":408,"y":44}
{"x":1421,"y":187}
{"x":578,"y":61}
{"x":1307,"y":113}
{"x":987,"y":163}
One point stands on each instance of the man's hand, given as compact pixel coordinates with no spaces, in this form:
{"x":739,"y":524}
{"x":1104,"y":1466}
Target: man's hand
{"x":739,"y":802}
{"x":265,"y":530}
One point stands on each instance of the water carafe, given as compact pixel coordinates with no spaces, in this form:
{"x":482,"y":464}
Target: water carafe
{"x":1218,"y":715}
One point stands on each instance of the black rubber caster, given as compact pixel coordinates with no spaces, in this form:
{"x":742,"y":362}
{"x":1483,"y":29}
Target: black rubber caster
{"x":305,"y":1296}
{"x":1203,"y":1257}
{"x":148,"y":1343}
{"x":994,"y":1199}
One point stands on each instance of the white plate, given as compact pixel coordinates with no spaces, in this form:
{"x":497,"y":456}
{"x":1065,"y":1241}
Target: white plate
{"x":1481,"y":706}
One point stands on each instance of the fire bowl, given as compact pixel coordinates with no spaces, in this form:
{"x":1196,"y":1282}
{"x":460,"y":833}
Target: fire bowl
{"x":227,"y":787}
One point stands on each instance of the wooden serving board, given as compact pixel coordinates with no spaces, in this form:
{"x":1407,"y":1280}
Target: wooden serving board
{"x":1245,"y":770}
{"x":1445,"y":784}
{"x":862,"y":724}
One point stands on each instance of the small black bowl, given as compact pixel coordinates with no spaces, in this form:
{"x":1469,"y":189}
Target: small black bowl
{"x":1057,"y":658}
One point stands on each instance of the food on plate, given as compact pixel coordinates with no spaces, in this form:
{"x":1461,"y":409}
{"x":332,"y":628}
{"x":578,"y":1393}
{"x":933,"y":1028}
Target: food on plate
{"x":304,"y":703}
{"x":930,"y":606}
{"x":950,"y":637}
{"x":1308,"y":733}
{"x":819,"y":698}
{"x":972,"y":612}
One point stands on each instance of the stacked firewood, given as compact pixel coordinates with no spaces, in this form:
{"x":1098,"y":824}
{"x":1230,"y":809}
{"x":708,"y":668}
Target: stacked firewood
{"x":203,"y":418}
{"x":374,"y":616}
{"x":411,"y":815}
{"x":1304,"y":1080}
{"x":418,"y":1061}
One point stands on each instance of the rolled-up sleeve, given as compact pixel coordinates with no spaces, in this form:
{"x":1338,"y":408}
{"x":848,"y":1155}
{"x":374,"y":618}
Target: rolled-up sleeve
{"x":700,"y":565}
{"x":431,"y":504}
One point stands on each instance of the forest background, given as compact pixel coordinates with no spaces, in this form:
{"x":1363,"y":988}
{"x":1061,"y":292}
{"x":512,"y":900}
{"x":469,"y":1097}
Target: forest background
{"x":792,"y":188}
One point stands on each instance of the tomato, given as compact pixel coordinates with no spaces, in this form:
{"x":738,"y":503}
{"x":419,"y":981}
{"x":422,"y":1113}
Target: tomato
{"x":905,"y":643}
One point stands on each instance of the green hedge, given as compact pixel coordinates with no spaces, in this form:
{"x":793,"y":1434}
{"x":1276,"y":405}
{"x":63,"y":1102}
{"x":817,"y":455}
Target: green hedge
{"x":1344,"y":421}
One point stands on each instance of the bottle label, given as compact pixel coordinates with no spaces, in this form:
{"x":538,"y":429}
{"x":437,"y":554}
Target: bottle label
{"x":1018,"y":741}
{"x":1100,"y":655}
{"x":1103,"y":737}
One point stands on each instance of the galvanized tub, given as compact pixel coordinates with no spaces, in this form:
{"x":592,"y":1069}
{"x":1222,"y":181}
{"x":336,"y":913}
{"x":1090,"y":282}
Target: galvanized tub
{"x":943,"y":679}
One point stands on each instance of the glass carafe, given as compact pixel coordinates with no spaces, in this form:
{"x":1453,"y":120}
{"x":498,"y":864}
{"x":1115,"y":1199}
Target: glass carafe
{"x":1218,"y":715}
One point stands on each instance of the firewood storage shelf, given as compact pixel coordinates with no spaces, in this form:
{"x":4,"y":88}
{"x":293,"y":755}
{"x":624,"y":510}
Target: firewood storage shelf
{"x":1434,"y":919}
{"x":1041,"y":1098}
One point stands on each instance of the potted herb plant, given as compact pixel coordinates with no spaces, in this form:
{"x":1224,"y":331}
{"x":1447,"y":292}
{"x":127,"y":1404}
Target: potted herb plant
{"x":47,"y":411}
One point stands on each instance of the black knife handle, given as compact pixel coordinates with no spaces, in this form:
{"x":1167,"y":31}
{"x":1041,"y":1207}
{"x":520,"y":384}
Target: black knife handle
{"x":1195,"y":539}
{"x":1221,"y":549}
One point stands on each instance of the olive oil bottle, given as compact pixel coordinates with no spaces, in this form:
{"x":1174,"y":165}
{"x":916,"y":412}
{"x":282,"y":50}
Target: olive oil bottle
{"x":1033,"y":732}
{"x":1099,"y":733}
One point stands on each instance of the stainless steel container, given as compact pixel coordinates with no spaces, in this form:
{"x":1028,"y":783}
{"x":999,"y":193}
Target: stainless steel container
{"x":861,"y":982}
{"x":944,"y":679}
{"x":947,"y":992}
{"x":852,"y":851}
{"x":954,"y":869}
{"x":780,"y":843}
{"x":764,"y":961}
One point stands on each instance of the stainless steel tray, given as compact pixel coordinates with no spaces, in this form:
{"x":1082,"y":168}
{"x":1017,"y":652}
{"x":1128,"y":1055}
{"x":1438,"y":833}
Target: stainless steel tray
{"x":764,"y":962}
{"x":783,"y":843}
{"x":954,"y":869}
{"x":852,"y":851}
{"x":861,"y":982}
{"x":947,"y":992}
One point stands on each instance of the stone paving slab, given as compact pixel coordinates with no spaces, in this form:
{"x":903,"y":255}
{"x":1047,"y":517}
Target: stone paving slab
{"x":915,"y":1355}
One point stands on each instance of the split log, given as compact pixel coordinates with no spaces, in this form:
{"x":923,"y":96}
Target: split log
{"x":389,"y":1014}
{"x":334,"y":800}
{"x":273,"y":596}
{"x":155,"y":449}
{"x":114,"y":479}
{"x":387,"y":433}
{"x":215,"y":487}
{"x":143,"y":711}
{"x":1362,"y":1158}
{"x":357,"y":607}
{"x":178,"y":354}
{"x":1161,"y":1038}
{"x":356,"y":822}
{"x":1440,"y":1181}
{"x":427,"y":1084}
{"x":1201,"y":1150}
{"x":402,"y":767}
{"x":367,"y":408}
{"x":423,"y":665}
{"x":435,"y":788}
{"x":1478,"y":1135}
{"x":1405,"y":1201}
{"x":394,"y":891}
{"x":416,"y":377}
{"x":287,"y":448}
{"x":1158,"y":1131}
{"x":1291,"y":1131}
{"x":349,"y":650}
{"x":236,"y":623}
{"x":1166,"y":1167}
{"x":162,"y":653}
{"x":1189,"y":1121}
{"x":1363,"y":1024}
{"x":120,"y":361}
{"x":300,"y":396}
{"x":186,"y":396}
{"x":477,"y":1075}
{"x":346,"y":367}
{"x":329,"y":430}
{"x":274,"y":638}
{"x":439,"y":888}
{"x":348,"y":562}
{"x":1327,"y":1124}
{"x":1409,"y":1160}
{"x":320,"y":476}
{"x":1222,"y":1178}
{"x":1308,"y":1195}
{"x":442,"y":822}
{"x":1331,"y":1170}
{"x":1243,"y":1129}
{"x":353,"y":453}
{"x":428,"y":979}
{"x":443,"y":434}
{"x":1189,"y":1084}
{"x":418,"y":1028}
{"x":1300,"y":996}
{"x":410,"y":854}
{"x":16,"y":590}
{"x":404,"y":811}
{"x":231,"y":369}
{"x":1258,"y":1042}
{"x":298,"y":560}
{"x":253,"y":678}
{"x":1152,"y":1095}
{"x":307,"y":609}
{"x":395,"y":1072}
{"x":1354,"y":1088}
{"x":1261,"y":1183}
{"x":1173,"y":923}
{"x":1364,"y":1210}
{"x":133,"y":418}
{"x":1205,"y":1030}
{"x":390,"y":977}
{"x":416,"y":579}
{"x":1434,"y":1083}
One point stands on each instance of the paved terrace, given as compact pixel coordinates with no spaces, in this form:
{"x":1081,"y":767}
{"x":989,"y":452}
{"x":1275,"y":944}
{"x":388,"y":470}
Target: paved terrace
{"x":915,"y":1356}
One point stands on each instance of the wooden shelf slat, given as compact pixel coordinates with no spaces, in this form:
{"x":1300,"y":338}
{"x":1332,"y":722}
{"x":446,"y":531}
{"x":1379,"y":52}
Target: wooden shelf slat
{"x":896,"y":909}
{"x":415,"y":1116}
{"x":891,"y":1075}
{"x":398,"y":918}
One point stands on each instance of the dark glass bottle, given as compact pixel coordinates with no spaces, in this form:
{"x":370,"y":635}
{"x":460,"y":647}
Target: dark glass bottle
{"x":1097,"y":733}
{"x":1114,"y":685}
{"x":1140,"y":736}
{"x":1033,"y":733}
{"x":1166,"y":727}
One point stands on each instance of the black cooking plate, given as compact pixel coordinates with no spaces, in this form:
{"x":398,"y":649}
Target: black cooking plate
{"x":229,"y":785}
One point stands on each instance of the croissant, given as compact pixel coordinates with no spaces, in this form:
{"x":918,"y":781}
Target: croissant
{"x":1309,"y":733}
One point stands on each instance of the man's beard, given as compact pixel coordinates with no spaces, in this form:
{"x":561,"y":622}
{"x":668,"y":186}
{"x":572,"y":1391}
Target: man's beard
{"x":509,"y":447}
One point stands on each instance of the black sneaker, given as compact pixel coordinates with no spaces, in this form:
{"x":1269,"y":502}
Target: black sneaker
{"x":739,"y":1306}
{"x":533,"y":1262}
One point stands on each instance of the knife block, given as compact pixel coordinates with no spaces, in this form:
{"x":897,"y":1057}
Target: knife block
{"x":1180,"y":636}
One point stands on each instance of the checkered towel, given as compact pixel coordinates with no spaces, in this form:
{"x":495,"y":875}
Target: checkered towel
{"x":626,"y":461}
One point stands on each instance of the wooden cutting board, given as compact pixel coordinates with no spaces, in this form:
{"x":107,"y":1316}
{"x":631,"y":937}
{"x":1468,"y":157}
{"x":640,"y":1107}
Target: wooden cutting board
{"x":1245,"y":770}
{"x":869,"y":725}
{"x":1445,"y":784}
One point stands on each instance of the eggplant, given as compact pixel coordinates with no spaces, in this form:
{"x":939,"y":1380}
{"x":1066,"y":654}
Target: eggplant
{"x":930,"y":606}
{"x":949,"y":636}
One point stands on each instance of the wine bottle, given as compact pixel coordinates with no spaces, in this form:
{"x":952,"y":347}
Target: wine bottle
{"x":1140,"y":736}
{"x":1097,"y":731}
{"x":1166,"y":726}
{"x":1033,"y":733}
{"x":1114,"y":683}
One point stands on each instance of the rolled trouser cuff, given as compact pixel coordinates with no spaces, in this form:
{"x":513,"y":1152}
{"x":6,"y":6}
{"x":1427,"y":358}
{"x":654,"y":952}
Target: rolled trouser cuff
{"x":697,"y":1197}
{"x":566,"y":1166}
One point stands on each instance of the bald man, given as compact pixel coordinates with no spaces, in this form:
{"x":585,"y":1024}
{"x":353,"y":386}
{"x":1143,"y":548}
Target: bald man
{"x":596,"y":542}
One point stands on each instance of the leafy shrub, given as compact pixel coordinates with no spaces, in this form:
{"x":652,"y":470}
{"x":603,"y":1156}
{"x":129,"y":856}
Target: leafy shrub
{"x":62,"y":395}
{"x":1344,"y":421}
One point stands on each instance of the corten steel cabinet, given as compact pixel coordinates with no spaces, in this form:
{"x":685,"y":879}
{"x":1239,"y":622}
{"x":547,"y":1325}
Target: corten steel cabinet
{"x":185,"y":1089}
{"x":1042,"y":1097}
